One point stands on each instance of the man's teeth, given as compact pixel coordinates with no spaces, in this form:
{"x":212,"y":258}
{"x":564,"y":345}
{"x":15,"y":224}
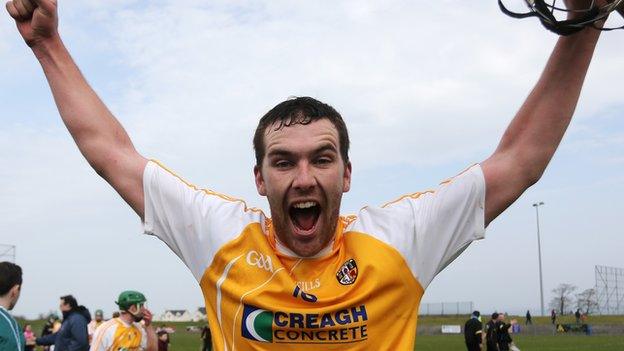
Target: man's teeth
{"x":305,"y":204}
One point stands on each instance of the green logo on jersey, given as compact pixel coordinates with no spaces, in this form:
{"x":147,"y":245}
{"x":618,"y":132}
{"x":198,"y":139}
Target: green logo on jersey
{"x":257,"y":324}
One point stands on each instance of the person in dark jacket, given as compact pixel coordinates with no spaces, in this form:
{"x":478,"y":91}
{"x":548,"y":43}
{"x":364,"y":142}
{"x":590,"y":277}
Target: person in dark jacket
{"x":206,"y":337}
{"x":73,"y":334}
{"x":504,"y":339}
{"x":491,"y":333}
{"x":473,"y":331}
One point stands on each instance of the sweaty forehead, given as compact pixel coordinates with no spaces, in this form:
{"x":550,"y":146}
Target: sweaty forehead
{"x":301,"y":137}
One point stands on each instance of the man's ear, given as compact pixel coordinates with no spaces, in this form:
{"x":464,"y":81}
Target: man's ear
{"x":260,"y":186}
{"x":346,"y":178}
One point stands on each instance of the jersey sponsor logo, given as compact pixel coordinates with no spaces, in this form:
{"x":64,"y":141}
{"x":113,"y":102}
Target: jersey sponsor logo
{"x":257,"y":324}
{"x":347,"y":274}
{"x":343,"y":326}
{"x":259,"y":260}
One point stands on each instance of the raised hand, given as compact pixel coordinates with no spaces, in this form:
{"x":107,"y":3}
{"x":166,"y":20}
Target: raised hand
{"x":147,"y":317}
{"x":36,"y":20}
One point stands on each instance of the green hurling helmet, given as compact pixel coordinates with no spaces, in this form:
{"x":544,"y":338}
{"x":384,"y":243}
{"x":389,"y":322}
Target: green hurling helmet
{"x":129,"y":298}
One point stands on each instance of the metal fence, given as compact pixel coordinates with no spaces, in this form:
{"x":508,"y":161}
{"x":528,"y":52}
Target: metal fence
{"x":446,"y":308}
{"x":610,"y":290}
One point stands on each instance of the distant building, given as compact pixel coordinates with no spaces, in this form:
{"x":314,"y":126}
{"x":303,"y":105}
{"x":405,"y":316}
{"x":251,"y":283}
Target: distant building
{"x":183,"y":316}
{"x":200,"y":315}
{"x":175,"y":316}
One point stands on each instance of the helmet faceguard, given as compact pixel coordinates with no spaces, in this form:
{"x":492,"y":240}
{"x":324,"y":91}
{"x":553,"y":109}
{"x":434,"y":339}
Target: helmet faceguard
{"x":547,"y":14}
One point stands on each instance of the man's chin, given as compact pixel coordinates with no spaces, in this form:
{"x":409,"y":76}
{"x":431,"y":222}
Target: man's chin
{"x":306,"y":246}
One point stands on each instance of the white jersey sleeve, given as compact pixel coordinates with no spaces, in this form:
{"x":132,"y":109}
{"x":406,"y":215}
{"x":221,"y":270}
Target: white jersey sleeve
{"x":141,"y":327}
{"x":193,"y":222}
{"x":430,"y":229}
{"x":103,"y":336}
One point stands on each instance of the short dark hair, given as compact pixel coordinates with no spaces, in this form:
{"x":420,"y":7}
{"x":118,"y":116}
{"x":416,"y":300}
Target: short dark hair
{"x":70,"y":300}
{"x":300,"y":110}
{"x":494,"y":315}
{"x":10,"y":276}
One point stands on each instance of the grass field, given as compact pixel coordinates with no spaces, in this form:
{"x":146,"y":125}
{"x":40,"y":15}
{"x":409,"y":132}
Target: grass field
{"x":182,"y":340}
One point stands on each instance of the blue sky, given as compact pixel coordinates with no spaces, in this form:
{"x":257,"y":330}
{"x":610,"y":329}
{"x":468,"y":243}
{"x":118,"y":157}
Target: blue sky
{"x":425,"y":93}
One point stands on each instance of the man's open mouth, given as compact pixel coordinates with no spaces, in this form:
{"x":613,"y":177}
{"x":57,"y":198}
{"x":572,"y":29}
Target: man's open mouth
{"x":304,"y":216}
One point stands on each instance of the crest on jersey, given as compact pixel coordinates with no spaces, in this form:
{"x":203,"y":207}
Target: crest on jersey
{"x":347,"y":274}
{"x":257,"y":324}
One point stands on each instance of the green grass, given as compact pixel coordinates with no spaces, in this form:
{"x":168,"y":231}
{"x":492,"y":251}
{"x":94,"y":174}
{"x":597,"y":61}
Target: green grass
{"x":182,"y":340}
{"x":530,"y":343}
{"x":460,"y":320}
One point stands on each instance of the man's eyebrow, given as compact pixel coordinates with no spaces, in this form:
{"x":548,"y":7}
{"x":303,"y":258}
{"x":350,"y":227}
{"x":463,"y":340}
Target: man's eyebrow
{"x":326,"y":147}
{"x":279,"y":152}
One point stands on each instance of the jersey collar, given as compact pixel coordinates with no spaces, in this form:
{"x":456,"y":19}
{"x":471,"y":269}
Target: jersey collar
{"x":282,"y":250}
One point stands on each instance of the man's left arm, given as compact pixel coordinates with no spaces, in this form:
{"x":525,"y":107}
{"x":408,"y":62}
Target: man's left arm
{"x":531,"y":139}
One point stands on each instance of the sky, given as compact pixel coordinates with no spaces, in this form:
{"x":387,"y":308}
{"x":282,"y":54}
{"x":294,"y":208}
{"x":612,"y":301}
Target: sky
{"x":426,"y":89}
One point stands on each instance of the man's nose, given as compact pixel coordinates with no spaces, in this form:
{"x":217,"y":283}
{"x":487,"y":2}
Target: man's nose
{"x":304,"y":179}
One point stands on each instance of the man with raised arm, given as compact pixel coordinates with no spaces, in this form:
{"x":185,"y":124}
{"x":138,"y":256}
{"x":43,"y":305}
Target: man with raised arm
{"x":307,"y":277}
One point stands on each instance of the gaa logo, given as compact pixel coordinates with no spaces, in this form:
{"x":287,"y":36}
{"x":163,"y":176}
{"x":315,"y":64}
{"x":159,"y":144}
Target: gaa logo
{"x":259,"y":260}
{"x":257,"y":324}
{"x":347,"y":274}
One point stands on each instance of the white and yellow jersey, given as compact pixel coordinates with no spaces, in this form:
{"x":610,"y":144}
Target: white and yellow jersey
{"x":92,"y":326}
{"x":361,"y":293}
{"x":117,"y":335}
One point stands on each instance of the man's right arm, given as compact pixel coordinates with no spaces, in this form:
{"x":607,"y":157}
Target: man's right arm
{"x":99,"y":136}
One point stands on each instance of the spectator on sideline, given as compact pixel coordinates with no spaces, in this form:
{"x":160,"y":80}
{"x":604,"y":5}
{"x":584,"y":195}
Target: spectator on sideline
{"x":11,"y":338}
{"x":163,"y":340}
{"x":73,"y":334}
{"x":29,"y":336}
{"x":52,"y":326}
{"x":577,"y":314}
{"x":528,"y":318}
{"x":553,"y":316}
{"x":206,"y":337}
{"x":473,"y":332}
{"x":504,"y":339}
{"x":491,"y":333}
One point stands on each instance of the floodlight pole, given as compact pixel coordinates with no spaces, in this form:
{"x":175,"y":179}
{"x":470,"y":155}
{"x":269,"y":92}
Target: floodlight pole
{"x":539,"y":253}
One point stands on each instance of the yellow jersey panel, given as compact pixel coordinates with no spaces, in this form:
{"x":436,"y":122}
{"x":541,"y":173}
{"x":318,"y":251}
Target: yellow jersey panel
{"x":115,"y":335}
{"x":362,"y":296}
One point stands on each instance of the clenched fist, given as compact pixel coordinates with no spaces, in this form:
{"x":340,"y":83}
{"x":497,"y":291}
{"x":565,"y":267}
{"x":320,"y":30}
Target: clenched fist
{"x":36,"y":20}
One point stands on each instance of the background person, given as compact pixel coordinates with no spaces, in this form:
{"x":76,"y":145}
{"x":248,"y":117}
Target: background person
{"x":163,"y":340}
{"x":126,"y":332}
{"x":491,"y":333}
{"x":473,"y":332}
{"x":96,"y":322}
{"x":206,"y":337}
{"x":11,"y":337}
{"x":504,"y":337}
{"x":30,"y":337}
{"x":73,"y":334}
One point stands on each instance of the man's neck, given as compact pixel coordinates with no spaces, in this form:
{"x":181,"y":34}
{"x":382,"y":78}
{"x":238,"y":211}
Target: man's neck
{"x":127,"y":318}
{"x":5,"y":302}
